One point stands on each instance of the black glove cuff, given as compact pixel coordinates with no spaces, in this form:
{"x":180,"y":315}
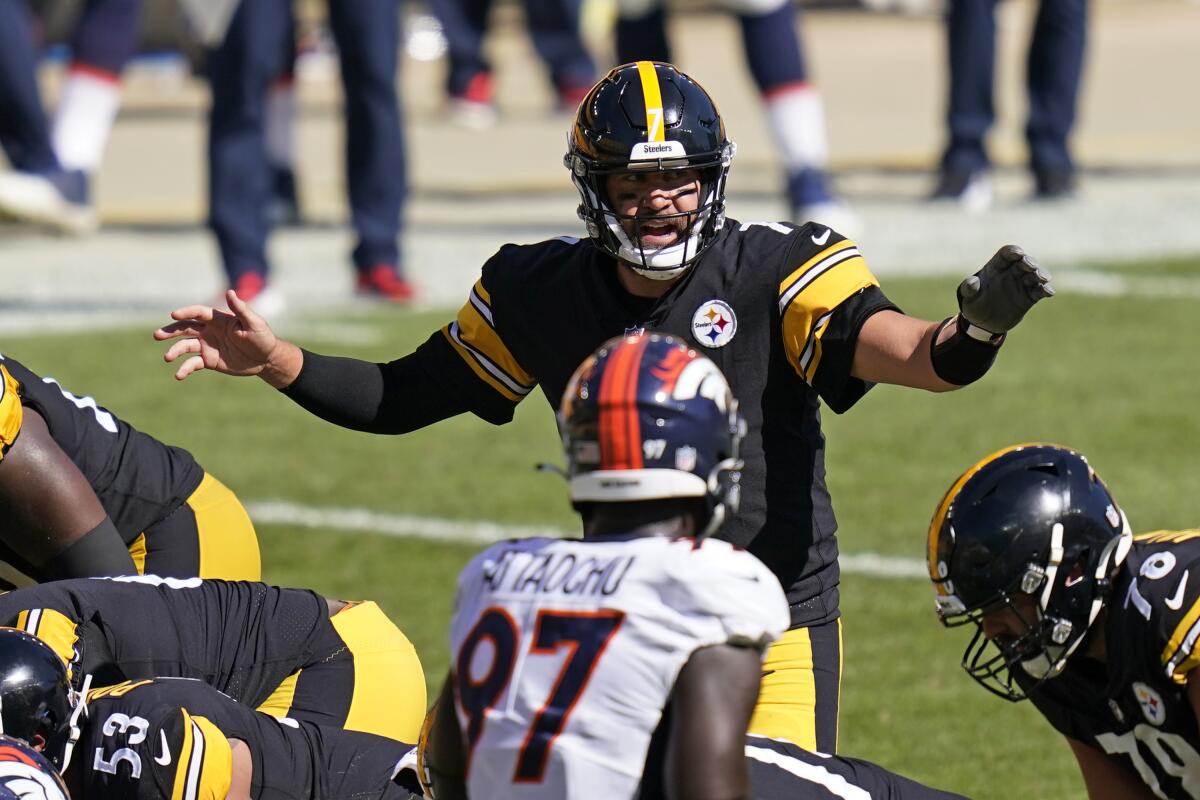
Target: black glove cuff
{"x":968,"y":328}
{"x":962,"y":359}
{"x":98,"y":553}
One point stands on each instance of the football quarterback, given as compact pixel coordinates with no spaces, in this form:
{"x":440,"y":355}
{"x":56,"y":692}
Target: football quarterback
{"x":1095,"y":626}
{"x":791,"y":315}
{"x":86,"y":494}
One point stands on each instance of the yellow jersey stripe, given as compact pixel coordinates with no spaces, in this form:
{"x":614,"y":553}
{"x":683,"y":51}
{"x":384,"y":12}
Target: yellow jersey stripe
{"x":279,"y":702}
{"x":1167,"y":536}
{"x":389,"y":683}
{"x":210,"y":771}
{"x":807,"y":312}
{"x":52,"y":627}
{"x":653,"y":95}
{"x":137,"y":551}
{"x":480,"y":335}
{"x":184,"y":758}
{"x":11,"y":410}
{"x":1179,"y":646}
{"x":807,"y":272}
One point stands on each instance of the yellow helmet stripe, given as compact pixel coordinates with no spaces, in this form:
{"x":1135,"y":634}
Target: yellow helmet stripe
{"x":939,"y":517}
{"x":653,"y":96}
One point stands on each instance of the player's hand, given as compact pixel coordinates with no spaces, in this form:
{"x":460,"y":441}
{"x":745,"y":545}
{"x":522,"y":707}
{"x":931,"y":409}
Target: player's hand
{"x":996,"y":297}
{"x":237,"y":343}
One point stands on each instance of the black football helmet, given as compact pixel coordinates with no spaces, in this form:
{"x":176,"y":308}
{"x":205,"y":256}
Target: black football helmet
{"x":649,"y":116}
{"x":1032,"y":530}
{"x":36,"y":698}
{"x":25,"y":774}
{"x":648,"y":418}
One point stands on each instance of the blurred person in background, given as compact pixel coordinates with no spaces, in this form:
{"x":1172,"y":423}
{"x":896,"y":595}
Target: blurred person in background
{"x":1054,"y":72}
{"x":795,"y":113}
{"x":38,"y":187}
{"x":242,"y":68}
{"x":554,"y":28}
{"x":104,"y":38}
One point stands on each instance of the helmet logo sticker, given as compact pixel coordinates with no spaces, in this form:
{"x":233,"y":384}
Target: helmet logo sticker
{"x":1152,"y":704}
{"x":685,"y":458}
{"x":1158,"y":565}
{"x":714,"y":323}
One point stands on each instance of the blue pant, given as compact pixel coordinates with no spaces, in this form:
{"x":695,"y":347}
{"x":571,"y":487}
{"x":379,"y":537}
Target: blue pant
{"x":24,"y":133}
{"x":242,"y":68}
{"x":106,"y":34}
{"x":1055,"y":67}
{"x":553,"y":27}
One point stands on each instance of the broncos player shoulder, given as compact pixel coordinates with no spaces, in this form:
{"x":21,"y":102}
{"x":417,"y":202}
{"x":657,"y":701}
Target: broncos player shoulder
{"x":287,"y":652}
{"x":87,"y":494}
{"x":181,"y":739}
{"x":1097,"y":627}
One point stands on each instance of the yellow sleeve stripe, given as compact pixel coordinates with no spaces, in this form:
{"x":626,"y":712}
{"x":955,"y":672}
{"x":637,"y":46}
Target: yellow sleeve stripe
{"x":205,"y":768}
{"x":11,"y":410}
{"x":806,"y":319}
{"x":807,"y":272}
{"x":52,"y":627}
{"x":1168,"y":536}
{"x":474,"y":337}
{"x":1178,"y":651}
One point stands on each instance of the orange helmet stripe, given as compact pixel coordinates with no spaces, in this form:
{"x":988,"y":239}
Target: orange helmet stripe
{"x":619,"y":430}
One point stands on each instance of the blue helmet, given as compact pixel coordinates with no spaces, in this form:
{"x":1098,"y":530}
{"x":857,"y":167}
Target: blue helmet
{"x":25,"y":774}
{"x":646,"y":417}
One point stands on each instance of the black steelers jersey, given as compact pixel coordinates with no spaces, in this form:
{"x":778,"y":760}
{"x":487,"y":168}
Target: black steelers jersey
{"x":243,"y":638}
{"x":169,"y":738}
{"x":1134,"y":707}
{"x":777,"y":307}
{"x":138,"y":479}
{"x":780,"y":770}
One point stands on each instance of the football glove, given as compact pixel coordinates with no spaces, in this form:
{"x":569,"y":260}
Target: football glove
{"x":996,"y":297}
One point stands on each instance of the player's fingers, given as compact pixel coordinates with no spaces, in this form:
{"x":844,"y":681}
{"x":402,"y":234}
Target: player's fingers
{"x":176,"y":329}
{"x":199,"y":313}
{"x":1010,"y":253}
{"x":969,"y":287}
{"x":180,"y":348}
{"x":242,"y":310}
{"x":193,"y":364}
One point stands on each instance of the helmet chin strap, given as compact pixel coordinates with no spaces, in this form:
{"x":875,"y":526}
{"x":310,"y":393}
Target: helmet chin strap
{"x":74,"y":730}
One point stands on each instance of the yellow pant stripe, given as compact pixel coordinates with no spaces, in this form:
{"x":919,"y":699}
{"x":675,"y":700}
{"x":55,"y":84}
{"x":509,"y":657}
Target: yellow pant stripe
{"x":389,"y":684}
{"x":228,"y":544}
{"x":787,"y":699}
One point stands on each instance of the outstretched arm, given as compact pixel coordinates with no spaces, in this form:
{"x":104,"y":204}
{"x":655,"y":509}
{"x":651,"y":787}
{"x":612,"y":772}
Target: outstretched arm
{"x":49,"y":513}
{"x":895,"y":348}
{"x":711,"y":705}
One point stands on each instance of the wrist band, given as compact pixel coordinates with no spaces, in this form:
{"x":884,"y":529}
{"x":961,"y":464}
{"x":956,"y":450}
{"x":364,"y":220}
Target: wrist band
{"x":975,"y":332}
{"x":962,"y":359}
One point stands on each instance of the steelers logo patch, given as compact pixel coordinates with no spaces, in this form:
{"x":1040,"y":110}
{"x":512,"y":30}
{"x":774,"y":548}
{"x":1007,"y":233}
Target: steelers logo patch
{"x":714,"y":324}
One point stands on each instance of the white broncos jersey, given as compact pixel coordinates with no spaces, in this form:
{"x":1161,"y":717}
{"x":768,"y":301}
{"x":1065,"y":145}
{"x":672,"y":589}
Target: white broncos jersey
{"x":566,"y":651}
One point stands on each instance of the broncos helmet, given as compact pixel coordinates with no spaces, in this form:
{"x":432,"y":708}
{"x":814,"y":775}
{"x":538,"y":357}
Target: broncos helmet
{"x":648,"y":418}
{"x":25,"y":774}
{"x":649,"y":116}
{"x":37,"y":702}
{"x":1031,"y":529}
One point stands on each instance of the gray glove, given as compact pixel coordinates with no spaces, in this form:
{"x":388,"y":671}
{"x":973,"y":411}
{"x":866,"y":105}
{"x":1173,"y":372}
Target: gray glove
{"x":997,"y":297}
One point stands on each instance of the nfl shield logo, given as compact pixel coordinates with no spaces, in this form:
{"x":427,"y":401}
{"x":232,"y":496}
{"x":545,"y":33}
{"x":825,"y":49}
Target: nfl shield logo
{"x":714,"y":323}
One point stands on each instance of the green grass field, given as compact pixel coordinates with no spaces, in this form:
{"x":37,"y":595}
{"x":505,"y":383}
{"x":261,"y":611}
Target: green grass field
{"x":1109,"y":375}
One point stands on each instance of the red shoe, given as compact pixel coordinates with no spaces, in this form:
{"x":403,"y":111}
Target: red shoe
{"x":384,"y":282}
{"x":250,"y":286}
{"x":474,"y":108}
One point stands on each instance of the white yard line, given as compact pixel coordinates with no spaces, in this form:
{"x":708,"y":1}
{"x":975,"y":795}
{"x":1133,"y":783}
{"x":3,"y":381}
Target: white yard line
{"x":408,"y":526}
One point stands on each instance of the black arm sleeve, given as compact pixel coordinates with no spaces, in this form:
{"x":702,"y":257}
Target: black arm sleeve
{"x":400,"y":396}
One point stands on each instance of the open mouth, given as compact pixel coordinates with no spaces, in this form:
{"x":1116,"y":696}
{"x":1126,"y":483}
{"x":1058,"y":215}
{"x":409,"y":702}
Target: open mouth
{"x":659,"y":234}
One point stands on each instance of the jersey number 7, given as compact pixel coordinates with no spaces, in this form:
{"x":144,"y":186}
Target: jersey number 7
{"x":584,"y":634}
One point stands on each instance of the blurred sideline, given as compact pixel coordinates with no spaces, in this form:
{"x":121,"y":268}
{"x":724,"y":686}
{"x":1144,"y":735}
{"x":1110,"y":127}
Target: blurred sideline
{"x":882,"y":76}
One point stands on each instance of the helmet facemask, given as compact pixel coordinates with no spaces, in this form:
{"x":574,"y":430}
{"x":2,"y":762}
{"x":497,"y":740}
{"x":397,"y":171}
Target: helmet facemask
{"x":1056,"y":605}
{"x":606,"y":225}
